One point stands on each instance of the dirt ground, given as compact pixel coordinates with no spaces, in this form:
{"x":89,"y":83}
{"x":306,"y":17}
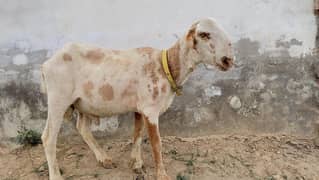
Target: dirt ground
{"x":267,"y":157}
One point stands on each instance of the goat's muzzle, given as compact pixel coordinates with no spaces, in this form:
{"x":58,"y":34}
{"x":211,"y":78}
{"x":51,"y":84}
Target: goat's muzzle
{"x":226,"y":63}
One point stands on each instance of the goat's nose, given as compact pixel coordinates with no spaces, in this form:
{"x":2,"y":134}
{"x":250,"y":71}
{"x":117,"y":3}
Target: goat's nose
{"x":227,"y":62}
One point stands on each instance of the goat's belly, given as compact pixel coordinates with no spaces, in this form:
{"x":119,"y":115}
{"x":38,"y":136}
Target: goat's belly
{"x":102,"y":110}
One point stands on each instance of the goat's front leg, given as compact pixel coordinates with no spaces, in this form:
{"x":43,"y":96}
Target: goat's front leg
{"x":155,"y":139}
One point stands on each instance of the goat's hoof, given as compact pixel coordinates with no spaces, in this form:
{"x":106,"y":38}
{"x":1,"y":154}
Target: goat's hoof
{"x":163,"y":177}
{"x":141,"y":170}
{"x":139,"y":177}
{"x":108,"y":164}
{"x":56,"y":178}
{"x":137,"y":166}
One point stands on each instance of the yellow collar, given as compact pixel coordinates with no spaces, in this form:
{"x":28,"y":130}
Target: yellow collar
{"x":176,"y":89}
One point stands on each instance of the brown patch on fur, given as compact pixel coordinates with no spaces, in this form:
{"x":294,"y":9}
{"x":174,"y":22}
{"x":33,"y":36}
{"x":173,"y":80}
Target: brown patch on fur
{"x":87,"y":88}
{"x":139,"y":124}
{"x":145,"y":51}
{"x":67,"y":57}
{"x":164,"y":88}
{"x":155,"y":92}
{"x":95,"y":56}
{"x":149,"y":68}
{"x":127,"y":92}
{"x":130,"y":93}
{"x":155,"y":140}
{"x":154,"y":77}
{"x":174,"y":61}
{"x":106,"y":91}
{"x":161,"y":72}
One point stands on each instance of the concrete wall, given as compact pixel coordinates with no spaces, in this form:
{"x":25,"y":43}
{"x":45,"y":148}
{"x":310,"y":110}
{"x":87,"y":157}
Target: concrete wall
{"x":273,"y":89}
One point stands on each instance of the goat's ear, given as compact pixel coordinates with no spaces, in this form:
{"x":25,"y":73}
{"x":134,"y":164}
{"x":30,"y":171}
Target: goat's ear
{"x":190,"y":37}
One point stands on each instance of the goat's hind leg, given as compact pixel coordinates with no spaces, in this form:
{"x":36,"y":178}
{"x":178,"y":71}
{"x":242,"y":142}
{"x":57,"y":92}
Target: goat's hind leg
{"x":83,"y":125}
{"x":56,"y":110}
{"x":136,"y":154}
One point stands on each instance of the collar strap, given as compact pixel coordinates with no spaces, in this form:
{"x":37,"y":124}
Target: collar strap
{"x":175,"y":88}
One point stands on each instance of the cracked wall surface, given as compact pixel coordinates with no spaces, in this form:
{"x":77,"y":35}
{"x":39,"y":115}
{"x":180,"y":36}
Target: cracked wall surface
{"x":273,"y":89}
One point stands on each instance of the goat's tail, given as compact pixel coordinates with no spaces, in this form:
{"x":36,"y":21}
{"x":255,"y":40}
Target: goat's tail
{"x":43,"y":82}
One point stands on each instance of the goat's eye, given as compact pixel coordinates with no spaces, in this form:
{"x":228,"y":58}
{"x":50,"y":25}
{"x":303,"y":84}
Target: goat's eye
{"x":204,"y":35}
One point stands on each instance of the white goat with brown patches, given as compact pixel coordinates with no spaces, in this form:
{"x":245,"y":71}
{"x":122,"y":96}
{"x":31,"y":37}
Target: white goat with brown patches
{"x":98,"y":82}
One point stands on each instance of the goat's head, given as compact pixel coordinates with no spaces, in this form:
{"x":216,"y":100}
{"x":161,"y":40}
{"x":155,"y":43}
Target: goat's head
{"x":210,"y":44}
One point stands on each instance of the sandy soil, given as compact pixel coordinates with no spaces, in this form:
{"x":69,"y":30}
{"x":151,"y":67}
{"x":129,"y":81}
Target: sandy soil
{"x":233,"y":157}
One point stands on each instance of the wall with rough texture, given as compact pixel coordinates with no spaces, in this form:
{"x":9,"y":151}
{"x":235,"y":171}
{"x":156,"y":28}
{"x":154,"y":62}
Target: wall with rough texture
{"x":273,"y":89}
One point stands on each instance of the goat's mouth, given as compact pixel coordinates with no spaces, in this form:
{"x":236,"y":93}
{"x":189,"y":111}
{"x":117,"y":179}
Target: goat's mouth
{"x":221,"y":67}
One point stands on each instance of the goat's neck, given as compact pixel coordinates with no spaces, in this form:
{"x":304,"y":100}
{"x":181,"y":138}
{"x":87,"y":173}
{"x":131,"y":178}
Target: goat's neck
{"x":181,"y":62}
